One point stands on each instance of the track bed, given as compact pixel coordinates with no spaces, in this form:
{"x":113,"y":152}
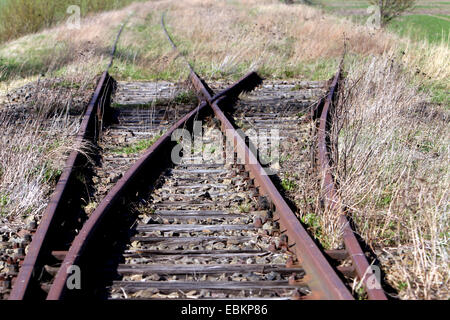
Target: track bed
{"x":203,"y":234}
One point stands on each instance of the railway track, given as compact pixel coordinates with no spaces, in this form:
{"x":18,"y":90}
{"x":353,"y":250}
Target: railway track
{"x":203,"y":230}
{"x":193,"y":237}
{"x":210,"y":225}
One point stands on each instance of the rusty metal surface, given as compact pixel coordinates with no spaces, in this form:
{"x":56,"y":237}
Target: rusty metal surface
{"x":333,"y":200}
{"x":323,"y":280}
{"x":37,"y":246}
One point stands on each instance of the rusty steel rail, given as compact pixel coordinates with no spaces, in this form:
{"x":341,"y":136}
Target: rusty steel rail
{"x":40,"y":245}
{"x":333,"y":201}
{"x":79,"y":245}
{"x":321,"y":278}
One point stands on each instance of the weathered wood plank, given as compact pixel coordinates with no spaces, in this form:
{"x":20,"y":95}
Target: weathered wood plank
{"x":200,"y":186}
{"x":220,"y":217}
{"x":203,"y":298}
{"x":170,"y":240}
{"x":196,"y":203}
{"x":196,"y":252}
{"x":205,"y":256}
{"x":205,"y":213}
{"x":199,"y":171}
{"x":218,"y":285}
{"x":201,"y":165}
{"x":206,"y":268}
{"x":190,"y":212}
{"x":202,"y":193}
{"x":192,"y":227}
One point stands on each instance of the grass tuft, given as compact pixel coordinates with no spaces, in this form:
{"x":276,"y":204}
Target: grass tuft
{"x":136,"y":147}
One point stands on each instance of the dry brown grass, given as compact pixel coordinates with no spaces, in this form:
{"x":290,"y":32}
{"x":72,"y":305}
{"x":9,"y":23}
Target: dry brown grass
{"x":275,"y":37}
{"x":266,"y":34}
{"x":38,"y":128}
{"x":38,"y":131}
{"x":27,"y":162}
{"x":393,"y":170}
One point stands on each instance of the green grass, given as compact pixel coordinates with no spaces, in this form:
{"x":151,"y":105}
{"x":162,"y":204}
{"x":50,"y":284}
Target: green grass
{"x":439,"y":94}
{"x":124,"y":70}
{"x":146,"y":43}
{"x":136,"y":147}
{"x":51,"y":175}
{"x":244,"y":208}
{"x":417,"y":27}
{"x":420,"y":27}
{"x":288,"y":184}
{"x":185,"y":97}
{"x":316,"y":70}
{"x":11,"y":67}
{"x":4,"y":200}
{"x":312,"y":221}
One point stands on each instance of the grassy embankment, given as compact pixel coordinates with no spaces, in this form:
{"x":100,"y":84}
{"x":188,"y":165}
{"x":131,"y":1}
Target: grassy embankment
{"x":21,"y":17}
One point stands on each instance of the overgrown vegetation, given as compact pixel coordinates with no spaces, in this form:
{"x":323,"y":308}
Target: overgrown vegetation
{"x":291,"y":42}
{"x":288,"y":184}
{"x":36,"y":137}
{"x":185,"y":97}
{"x":392,"y":168}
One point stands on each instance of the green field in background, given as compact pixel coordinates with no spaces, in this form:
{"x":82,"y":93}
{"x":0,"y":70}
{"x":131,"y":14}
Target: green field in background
{"x":416,"y":25}
{"x":419,"y":27}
